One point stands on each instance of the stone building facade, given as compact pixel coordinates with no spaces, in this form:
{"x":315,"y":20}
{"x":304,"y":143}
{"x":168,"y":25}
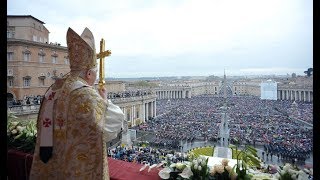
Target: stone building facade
{"x":246,"y":87}
{"x":296,"y":89}
{"x":32,"y":62}
{"x":187,"y":89}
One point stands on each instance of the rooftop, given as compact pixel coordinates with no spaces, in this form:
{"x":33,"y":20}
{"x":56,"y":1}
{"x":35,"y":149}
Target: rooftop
{"x":24,"y":16}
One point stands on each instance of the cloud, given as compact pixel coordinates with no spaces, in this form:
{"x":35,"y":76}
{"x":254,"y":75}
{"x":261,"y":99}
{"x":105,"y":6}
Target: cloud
{"x":185,"y":36}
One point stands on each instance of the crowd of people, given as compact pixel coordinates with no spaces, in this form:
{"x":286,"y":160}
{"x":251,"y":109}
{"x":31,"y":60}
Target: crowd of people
{"x":126,"y":94}
{"x":145,"y":155}
{"x":27,"y":100}
{"x":251,"y":120}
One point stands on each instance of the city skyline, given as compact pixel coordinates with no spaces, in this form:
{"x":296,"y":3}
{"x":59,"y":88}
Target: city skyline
{"x":187,"y":38}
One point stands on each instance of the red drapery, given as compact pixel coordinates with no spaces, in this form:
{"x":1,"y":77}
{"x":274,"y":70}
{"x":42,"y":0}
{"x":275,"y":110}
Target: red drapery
{"x":19,"y":165}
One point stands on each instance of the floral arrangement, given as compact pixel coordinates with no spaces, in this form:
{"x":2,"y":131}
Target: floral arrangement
{"x":223,"y":171}
{"x":289,"y":172}
{"x":199,"y":167}
{"x":21,"y":137}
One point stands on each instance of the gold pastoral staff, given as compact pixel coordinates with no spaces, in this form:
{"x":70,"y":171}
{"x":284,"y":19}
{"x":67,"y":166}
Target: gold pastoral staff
{"x":102,"y":54}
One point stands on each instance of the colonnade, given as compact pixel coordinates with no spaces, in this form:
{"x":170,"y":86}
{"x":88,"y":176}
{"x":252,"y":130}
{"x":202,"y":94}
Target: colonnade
{"x":295,"y":95}
{"x":173,"y":94}
{"x":141,"y":112}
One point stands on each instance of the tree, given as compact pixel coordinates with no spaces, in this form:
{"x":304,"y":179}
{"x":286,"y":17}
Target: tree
{"x":309,"y":72}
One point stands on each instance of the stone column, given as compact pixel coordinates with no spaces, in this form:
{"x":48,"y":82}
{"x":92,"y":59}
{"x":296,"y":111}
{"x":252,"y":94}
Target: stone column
{"x":125,"y":113}
{"x":155,"y":108}
{"x":311,"y":96}
{"x":292,"y":95}
{"x":151,"y":109}
{"x":131,"y":117}
{"x":285,"y":94}
{"x":142,"y":113}
{"x":183,"y":94}
{"x":134,"y":114}
{"x":147,"y":110}
{"x":304,"y":96}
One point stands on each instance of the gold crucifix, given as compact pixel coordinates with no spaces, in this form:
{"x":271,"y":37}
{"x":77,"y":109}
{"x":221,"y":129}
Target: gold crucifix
{"x":102,"y":54}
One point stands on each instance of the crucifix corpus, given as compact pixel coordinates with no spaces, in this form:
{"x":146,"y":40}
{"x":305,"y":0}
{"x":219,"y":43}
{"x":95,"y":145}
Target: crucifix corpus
{"x":102,"y":54}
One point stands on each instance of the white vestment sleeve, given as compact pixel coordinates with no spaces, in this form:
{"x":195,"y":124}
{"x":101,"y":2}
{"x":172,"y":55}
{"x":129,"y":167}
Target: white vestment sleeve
{"x":113,"y":122}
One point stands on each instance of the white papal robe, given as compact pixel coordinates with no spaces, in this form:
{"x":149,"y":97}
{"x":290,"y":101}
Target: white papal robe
{"x":82,"y":124}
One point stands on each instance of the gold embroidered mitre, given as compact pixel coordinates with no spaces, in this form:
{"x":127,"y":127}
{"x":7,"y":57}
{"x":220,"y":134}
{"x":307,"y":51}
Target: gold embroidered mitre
{"x":82,"y":53}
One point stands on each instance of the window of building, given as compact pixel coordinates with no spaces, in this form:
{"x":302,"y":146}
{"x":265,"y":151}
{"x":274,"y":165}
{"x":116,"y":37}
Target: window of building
{"x":41,"y":81}
{"x":54,"y":59}
{"x":10,"y":34}
{"x":26,"y":81}
{"x":66,"y":60}
{"x":48,"y":74}
{"x":26,"y":56}
{"x":10,"y":83}
{"x":41,"y":58}
{"x":9,"y":56}
{"x":40,"y":39}
{"x":34,"y":38}
{"x":41,"y":55}
{"x":61,"y":75}
{"x":45,"y":40}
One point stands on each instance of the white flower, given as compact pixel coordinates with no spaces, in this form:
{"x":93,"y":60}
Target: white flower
{"x":199,"y":160}
{"x":204,"y":158}
{"x":195,"y":161}
{"x":228,"y":168}
{"x":219,"y":169}
{"x":294,"y":177}
{"x":286,"y":167}
{"x":224,"y":162}
{"x":15,"y":123}
{"x":199,"y":168}
{"x":180,"y":166}
{"x":186,"y":173}
{"x":165,"y":173}
{"x":14,"y":132}
{"x":302,"y":175}
{"x":19,"y":128}
{"x":212,"y":171}
{"x":154,"y":165}
{"x":195,"y":166}
{"x":144,"y":167}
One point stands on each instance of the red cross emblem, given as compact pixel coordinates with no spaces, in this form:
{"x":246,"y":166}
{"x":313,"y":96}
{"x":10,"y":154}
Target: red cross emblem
{"x":46,"y":122}
{"x":51,"y":96}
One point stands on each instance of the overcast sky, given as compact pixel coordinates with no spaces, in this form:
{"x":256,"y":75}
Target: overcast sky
{"x":186,"y":37}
